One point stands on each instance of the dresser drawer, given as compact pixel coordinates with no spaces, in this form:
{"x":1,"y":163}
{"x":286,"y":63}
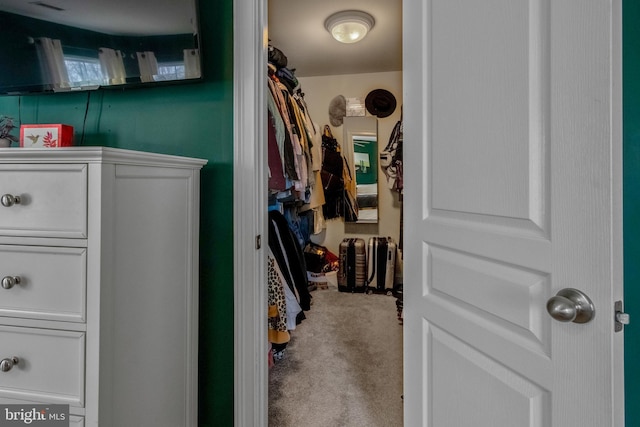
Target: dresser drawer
{"x":52,"y":282}
{"x":50,"y":367}
{"x":53,"y":200}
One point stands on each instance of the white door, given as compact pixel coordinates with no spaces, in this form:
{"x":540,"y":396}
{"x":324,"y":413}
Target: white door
{"x":512,"y":193}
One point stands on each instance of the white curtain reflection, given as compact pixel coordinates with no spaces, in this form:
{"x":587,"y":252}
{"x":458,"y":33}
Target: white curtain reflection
{"x":112,"y":65}
{"x":51,"y":59}
{"x":191,"y":63}
{"x":148,"y":66}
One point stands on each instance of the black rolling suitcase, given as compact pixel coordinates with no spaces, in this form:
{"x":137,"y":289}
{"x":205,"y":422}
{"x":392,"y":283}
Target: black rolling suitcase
{"x":352,"y":274}
{"x":382,"y":262}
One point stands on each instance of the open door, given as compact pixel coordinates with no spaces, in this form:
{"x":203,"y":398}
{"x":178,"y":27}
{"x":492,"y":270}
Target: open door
{"x":513,"y":169}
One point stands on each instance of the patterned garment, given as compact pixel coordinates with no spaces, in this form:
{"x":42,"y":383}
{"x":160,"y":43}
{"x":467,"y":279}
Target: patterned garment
{"x":277,"y":313}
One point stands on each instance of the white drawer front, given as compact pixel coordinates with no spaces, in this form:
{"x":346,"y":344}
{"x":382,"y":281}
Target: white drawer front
{"x":50,"y":367}
{"x":53,"y":200}
{"x":52,"y":282}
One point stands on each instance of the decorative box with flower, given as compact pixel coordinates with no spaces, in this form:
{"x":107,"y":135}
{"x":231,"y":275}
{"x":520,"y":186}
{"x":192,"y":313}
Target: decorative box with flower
{"x":6,"y":126}
{"x":46,"y":135}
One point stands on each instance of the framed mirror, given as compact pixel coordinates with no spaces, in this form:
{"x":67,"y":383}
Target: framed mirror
{"x":70,"y":45}
{"x":361,"y":151}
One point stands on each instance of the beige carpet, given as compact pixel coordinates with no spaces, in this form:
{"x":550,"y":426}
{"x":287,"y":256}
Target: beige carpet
{"x":343,"y":366}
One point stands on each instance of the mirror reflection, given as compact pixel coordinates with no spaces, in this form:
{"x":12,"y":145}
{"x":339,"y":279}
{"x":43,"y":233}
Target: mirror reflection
{"x":361,"y":151}
{"x":73,"y":45}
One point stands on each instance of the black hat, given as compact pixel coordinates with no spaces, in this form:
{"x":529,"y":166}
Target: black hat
{"x":380,"y":103}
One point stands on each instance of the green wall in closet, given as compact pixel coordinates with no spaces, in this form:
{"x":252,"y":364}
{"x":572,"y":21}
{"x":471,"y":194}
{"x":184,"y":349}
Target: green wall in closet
{"x":193,"y":120}
{"x":631,"y":200}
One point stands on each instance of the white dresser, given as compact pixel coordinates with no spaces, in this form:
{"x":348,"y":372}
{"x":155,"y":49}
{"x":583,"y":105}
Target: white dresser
{"x":99,"y":295}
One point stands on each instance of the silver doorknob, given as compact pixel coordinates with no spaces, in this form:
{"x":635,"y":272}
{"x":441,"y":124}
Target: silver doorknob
{"x":9,"y":282}
{"x":571,"y":305}
{"x":8,"y":200}
{"x":8,"y":363}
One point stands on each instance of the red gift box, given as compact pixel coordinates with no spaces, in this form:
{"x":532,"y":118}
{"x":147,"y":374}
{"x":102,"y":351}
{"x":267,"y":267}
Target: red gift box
{"x":52,"y":135}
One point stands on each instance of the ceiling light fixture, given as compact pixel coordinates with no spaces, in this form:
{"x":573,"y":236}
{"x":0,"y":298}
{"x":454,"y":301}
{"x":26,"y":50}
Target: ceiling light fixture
{"x":349,"y":26}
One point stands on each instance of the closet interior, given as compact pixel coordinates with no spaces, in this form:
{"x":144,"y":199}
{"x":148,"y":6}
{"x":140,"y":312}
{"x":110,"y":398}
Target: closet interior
{"x":335,"y":202}
{"x":328,"y":170}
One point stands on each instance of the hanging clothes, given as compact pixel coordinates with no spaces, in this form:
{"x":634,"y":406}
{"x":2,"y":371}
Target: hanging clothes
{"x":278,"y":332}
{"x":289,"y":257}
{"x":277,"y":180}
{"x":332,"y":176}
{"x":287,"y":145}
{"x":295,"y":152}
{"x":391,"y":159}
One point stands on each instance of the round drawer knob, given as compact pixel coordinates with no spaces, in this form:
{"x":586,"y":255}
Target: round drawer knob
{"x":8,"y":363}
{"x":9,"y":282}
{"x":8,"y":200}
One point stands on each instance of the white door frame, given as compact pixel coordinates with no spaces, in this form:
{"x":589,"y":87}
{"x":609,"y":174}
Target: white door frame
{"x":249,"y":204}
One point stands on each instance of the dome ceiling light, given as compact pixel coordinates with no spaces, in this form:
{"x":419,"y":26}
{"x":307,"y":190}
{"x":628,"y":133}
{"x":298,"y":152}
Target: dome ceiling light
{"x":349,"y":26}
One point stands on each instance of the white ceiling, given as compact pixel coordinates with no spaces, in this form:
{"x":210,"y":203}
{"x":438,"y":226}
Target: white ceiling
{"x":297,"y":28}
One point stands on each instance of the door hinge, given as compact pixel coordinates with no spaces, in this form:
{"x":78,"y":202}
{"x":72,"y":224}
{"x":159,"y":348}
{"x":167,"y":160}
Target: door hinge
{"x":621,"y":318}
{"x":258,"y":241}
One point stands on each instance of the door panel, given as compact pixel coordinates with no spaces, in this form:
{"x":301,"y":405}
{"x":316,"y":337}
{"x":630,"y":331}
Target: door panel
{"x":512,"y":163}
{"x":470,"y":283}
{"x":527,"y":403}
{"x":480,"y":97}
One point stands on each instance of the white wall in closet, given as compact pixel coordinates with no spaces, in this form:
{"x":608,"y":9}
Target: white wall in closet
{"x":319,"y":91}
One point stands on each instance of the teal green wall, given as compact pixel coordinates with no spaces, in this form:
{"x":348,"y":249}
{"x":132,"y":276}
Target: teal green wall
{"x":631,"y":135}
{"x":193,"y":120}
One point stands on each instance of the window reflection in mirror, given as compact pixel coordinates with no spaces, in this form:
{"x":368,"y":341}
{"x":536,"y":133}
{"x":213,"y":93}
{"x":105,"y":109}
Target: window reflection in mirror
{"x":361,"y":151}
{"x":97,"y":44}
